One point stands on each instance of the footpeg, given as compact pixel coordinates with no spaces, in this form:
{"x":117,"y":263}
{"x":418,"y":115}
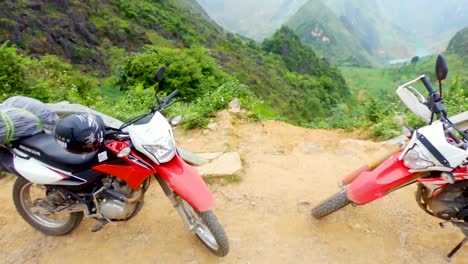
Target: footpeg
{"x":456,"y":249}
{"x":443,"y":224}
{"x":98,"y":227}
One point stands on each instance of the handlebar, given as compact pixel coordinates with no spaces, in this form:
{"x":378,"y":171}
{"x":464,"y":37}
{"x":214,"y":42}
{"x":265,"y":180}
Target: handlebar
{"x":170,"y":96}
{"x":427,"y":84}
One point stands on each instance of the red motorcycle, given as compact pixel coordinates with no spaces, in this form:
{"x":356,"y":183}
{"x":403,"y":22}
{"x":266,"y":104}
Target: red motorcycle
{"x":435,"y":157}
{"x":55,"y":189}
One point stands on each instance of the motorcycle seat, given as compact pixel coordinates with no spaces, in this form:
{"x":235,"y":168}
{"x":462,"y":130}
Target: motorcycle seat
{"x":44,"y":148}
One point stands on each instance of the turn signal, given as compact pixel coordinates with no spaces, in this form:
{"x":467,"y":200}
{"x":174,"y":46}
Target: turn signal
{"x":124,"y":152}
{"x":407,"y":131}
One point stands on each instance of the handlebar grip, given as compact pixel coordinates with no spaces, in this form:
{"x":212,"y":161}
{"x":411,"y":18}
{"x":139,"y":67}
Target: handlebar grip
{"x":428,"y":85}
{"x":172,"y":95}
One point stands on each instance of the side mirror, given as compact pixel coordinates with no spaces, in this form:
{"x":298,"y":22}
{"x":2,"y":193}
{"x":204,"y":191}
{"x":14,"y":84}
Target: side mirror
{"x":159,"y":74}
{"x":175,"y":120}
{"x":441,"y":68}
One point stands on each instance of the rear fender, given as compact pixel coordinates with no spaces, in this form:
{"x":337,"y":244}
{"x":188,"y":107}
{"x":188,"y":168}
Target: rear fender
{"x":187,"y":183}
{"x":390,"y":175}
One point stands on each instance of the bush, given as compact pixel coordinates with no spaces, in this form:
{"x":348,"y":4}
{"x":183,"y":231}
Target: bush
{"x":192,"y":71}
{"x":12,"y":71}
{"x":48,"y":79}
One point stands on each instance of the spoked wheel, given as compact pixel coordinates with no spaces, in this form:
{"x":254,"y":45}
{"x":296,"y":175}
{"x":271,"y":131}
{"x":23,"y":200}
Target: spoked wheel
{"x":207,"y":228}
{"x":30,"y":202}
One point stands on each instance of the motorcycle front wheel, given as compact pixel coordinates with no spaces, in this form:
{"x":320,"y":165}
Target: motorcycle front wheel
{"x":27,"y":198}
{"x":207,"y":228}
{"x":331,"y":205}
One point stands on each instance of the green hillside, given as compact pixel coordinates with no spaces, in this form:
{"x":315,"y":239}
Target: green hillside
{"x":127,"y":40}
{"x":319,"y":27}
{"x":459,"y":43}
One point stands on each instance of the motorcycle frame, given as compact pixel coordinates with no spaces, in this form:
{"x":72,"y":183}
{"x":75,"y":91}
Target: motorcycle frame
{"x":181,"y":177}
{"x":437,"y":185}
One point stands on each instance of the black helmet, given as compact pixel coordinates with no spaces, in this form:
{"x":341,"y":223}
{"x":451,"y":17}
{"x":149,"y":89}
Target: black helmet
{"x":80,"y":132}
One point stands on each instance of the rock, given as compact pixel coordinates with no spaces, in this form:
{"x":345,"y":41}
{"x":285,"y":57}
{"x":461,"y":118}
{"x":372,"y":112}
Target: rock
{"x":212,"y":126}
{"x":308,"y":148}
{"x":279,"y":150}
{"x":63,"y":5}
{"x":304,"y":207}
{"x":399,"y":119}
{"x":225,"y":165}
{"x":227,"y":196}
{"x":235,"y":106}
{"x":210,"y":156}
{"x":36,"y":6}
{"x":403,"y":239}
{"x":396,"y":141}
{"x":191,"y":158}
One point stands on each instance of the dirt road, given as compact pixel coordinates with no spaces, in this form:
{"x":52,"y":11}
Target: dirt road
{"x":265,"y":215}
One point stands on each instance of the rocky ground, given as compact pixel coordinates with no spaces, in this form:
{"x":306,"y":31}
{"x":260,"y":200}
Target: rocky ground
{"x":265,"y":210}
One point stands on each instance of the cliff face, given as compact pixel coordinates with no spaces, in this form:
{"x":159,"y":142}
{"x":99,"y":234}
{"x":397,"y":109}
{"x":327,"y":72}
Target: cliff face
{"x":65,"y":28}
{"x":85,"y":32}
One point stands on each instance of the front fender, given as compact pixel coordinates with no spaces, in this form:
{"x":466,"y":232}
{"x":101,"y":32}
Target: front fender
{"x":388,"y":176}
{"x":187,"y":183}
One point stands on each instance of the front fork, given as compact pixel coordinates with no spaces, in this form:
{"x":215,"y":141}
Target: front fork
{"x":173,"y":198}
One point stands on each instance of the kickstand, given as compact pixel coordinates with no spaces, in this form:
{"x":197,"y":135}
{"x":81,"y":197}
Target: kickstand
{"x":456,"y":248}
{"x":98,"y":227}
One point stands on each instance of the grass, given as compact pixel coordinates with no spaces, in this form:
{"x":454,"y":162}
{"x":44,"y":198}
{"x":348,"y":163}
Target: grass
{"x":383,"y":81}
{"x":110,"y":92}
{"x":223,"y":181}
{"x":160,"y":41}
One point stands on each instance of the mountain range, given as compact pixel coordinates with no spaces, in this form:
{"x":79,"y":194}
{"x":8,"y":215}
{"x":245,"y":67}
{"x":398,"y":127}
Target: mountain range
{"x":350,"y":32}
{"x":253,"y":19}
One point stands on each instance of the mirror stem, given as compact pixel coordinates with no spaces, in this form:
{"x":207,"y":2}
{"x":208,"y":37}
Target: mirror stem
{"x":440,"y":87}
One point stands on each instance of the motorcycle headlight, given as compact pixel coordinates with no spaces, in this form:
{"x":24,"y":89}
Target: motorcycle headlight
{"x":415,"y":159}
{"x":163,"y":149}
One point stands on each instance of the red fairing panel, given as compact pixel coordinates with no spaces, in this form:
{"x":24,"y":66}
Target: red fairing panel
{"x":372,"y":185}
{"x":187,"y":183}
{"x":132,"y":175}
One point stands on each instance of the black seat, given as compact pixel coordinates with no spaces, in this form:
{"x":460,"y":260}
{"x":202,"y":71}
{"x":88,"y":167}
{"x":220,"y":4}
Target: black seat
{"x":43,"y":147}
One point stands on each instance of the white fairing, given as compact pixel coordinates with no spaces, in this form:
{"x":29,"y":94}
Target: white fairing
{"x":436,"y":136}
{"x":154,"y":139}
{"x":33,"y":171}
